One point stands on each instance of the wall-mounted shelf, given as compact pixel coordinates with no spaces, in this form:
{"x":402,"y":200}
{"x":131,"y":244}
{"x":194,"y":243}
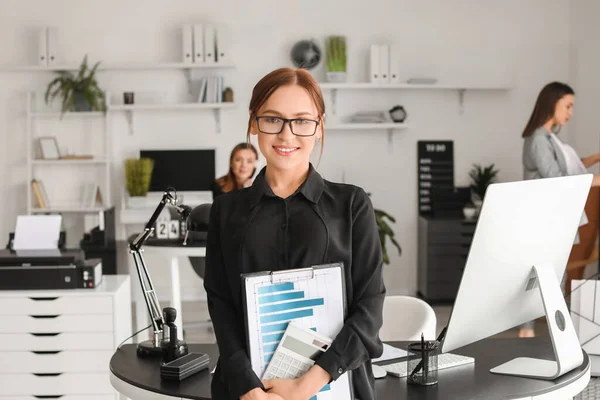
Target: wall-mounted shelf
{"x":67,"y":209}
{"x":334,"y":87}
{"x":130,"y":108}
{"x":72,"y":114}
{"x":388,"y":126}
{"x":69,"y":162}
{"x":114,"y":67}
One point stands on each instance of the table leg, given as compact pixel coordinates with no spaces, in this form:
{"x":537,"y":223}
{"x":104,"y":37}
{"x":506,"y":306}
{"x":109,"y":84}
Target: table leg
{"x":176,"y":295}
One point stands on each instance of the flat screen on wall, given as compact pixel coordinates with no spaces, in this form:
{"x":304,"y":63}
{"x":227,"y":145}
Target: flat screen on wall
{"x":184,"y":170}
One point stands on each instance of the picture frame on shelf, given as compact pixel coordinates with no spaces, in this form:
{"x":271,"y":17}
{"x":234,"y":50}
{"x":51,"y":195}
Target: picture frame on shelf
{"x":49,"y":148}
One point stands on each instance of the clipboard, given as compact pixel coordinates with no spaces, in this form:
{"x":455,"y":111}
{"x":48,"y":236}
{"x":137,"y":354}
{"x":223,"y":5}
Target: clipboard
{"x":313,"y":298}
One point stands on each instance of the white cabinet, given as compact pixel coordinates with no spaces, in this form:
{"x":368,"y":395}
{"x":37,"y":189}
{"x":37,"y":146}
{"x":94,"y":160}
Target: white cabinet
{"x":59,"y":342}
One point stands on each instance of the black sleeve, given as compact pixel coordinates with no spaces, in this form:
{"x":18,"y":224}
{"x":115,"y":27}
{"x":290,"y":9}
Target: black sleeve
{"x":228,"y":324}
{"x":358,"y":340}
{"x":216,"y":189}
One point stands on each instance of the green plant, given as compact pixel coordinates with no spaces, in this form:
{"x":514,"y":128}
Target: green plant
{"x":138,"y":172}
{"x":384,"y":231}
{"x":481,"y":178}
{"x":336,"y":53}
{"x":78,"y":91}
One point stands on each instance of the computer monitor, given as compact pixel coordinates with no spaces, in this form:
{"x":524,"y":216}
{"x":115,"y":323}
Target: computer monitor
{"x":184,"y":170}
{"x":519,"y":252}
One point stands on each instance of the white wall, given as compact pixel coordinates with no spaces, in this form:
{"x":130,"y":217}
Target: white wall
{"x":585,"y":64}
{"x":473,"y":41}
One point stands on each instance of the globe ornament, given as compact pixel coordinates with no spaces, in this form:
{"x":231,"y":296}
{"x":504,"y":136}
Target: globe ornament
{"x":306,"y":54}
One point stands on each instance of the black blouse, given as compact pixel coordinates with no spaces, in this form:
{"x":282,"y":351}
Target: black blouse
{"x":322,"y":222}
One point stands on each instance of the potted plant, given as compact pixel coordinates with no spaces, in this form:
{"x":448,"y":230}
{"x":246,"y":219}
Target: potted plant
{"x":78,"y":92}
{"x":138,"y":172}
{"x":385,"y":231}
{"x":481,"y":178}
{"x":336,"y":58}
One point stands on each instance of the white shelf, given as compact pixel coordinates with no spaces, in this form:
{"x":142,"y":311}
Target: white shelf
{"x":69,"y":114}
{"x":436,"y":86}
{"x":114,"y":67}
{"x":68,"y":209}
{"x":180,"y":106}
{"x":69,"y":162}
{"x":364,"y":126}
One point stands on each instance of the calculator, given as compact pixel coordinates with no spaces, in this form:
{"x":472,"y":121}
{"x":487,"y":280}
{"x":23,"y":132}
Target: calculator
{"x":296,"y":353}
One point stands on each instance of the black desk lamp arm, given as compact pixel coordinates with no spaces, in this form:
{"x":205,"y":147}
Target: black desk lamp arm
{"x":135,"y":248}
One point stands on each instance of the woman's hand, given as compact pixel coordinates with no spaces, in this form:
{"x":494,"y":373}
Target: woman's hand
{"x":302,"y":388}
{"x":259,"y":394}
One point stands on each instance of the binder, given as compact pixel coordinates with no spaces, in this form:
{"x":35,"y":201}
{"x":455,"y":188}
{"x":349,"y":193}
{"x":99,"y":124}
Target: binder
{"x":222,"y":44}
{"x":187,"y":48}
{"x":209,"y":44}
{"x":53,"y":47}
{"x":43,"y":46}
{"x":394,"y":63}
{"x":374,"y":65}
{"x":313,"y":298}
{"x":384,"y":63}
{"x":198,"y":44}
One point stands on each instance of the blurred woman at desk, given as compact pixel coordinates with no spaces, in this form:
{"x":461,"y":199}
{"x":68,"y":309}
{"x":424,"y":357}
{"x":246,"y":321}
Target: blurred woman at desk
{"x":545,"y":155}
{"x":242,"y":166}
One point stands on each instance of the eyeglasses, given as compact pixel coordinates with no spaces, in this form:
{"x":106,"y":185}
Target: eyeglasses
{"x":298,"y":126}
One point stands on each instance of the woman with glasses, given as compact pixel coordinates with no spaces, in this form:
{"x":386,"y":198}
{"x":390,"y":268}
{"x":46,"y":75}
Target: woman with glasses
{"x":292,"y":218}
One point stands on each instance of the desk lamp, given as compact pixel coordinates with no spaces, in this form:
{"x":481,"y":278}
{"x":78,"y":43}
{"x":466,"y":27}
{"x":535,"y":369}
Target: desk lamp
{"x":153,"y":347}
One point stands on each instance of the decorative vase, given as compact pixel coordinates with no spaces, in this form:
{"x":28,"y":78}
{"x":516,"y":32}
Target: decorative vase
{"x":336,"y":76}
{"x":81,"y":104}
{"x":136,"y":201}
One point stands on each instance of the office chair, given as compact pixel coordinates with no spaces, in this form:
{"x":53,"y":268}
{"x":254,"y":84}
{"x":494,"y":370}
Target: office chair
{"x":586,"y":251}
{"x":405,"y":317}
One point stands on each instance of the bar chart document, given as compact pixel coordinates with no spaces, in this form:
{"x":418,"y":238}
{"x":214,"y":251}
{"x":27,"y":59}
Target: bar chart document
{"x":313,"y":298}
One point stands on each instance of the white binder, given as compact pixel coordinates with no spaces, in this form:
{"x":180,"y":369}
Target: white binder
{"x":187,"y":48}
{"x":209,"y":43}
{"x":384,"y":63}
{"x":53,"y":47}
{"x":43,"y":46}
{"x":312,"y":298}
{"x":198,"y":44}
{"x":374,"y":65}
{"x":394,"y":63}
{"x":222,"y":44}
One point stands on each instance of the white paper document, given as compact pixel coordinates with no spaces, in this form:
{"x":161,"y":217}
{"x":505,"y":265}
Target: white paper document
{"x":390,"y":353}
{"x":37,"y":232}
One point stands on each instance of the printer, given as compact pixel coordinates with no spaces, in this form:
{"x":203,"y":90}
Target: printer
{"x":48,"y":269}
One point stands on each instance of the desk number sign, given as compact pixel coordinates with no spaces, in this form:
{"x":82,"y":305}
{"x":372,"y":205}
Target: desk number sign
{"x":169,"y":229}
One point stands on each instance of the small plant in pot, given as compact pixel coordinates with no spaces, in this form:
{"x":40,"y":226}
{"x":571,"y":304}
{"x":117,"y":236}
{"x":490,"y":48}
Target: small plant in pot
{"x":138,"y":173}
{"x":481,"y":178}
{"x":336,"y":58}
{"x":78,"y":92}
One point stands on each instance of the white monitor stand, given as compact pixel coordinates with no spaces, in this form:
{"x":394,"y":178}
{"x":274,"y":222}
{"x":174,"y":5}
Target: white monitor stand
{"x":565,"y":343}
{"x":518,"y":254}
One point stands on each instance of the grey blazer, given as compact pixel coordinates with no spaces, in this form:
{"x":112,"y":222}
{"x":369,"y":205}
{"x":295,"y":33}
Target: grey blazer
{"x":541,"y":156}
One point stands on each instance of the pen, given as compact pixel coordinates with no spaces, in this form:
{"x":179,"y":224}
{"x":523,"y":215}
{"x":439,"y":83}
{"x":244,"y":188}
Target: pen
{"x":424,"y":357}
{"x":439,"y":339}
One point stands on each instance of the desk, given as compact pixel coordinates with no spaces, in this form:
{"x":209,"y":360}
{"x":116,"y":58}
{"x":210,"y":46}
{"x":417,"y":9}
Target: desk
{"x":139,"y":379}
{"x":173,"y":249}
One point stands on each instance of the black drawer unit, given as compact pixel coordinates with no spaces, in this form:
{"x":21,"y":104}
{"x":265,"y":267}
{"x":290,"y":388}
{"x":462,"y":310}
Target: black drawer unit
{"x":443,"y":249}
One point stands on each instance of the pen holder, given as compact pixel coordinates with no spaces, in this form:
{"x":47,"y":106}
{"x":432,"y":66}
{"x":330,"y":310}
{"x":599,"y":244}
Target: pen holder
{"x":422,"y":363}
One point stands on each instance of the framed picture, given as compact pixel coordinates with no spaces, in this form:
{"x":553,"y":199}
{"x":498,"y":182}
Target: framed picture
{"x":49,"y":148}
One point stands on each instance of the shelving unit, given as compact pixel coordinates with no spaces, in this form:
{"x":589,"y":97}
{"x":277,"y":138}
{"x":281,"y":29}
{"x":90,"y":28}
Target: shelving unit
{"x":461,"y":89}
{"x":34,"y":163}
{"x":390,"y":127}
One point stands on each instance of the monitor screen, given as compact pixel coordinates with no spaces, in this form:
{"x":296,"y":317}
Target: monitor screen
{"x":184,"y":170}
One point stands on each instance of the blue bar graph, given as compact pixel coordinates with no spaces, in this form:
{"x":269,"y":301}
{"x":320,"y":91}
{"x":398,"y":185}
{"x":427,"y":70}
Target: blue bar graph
{"x":280,"y":297}
{"x":268,"y":358}
{"x":276,"y":288}
{"x":274,"y":328}
{"x":324,"y":389}
{"x":272,"y":338}
{"x":270,"y":348}
{"x":291,"y":305}
{"x":286,"y":316}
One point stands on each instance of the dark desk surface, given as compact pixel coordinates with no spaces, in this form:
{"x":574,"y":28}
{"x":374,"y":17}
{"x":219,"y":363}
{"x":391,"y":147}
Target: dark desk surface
{"x":464,"y":382}
{"x":169,"y":242}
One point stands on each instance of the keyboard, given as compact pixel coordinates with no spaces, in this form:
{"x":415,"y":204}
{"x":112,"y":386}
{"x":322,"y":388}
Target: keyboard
{"x":445,"y":360}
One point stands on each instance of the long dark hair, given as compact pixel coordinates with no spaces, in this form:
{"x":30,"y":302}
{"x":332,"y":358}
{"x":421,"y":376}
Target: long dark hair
{"x":229,"y":182}
{"x":545,"y":105}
